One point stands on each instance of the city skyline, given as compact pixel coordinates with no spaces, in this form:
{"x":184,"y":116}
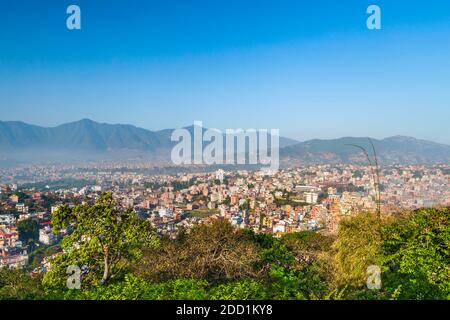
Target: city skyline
{"x":313,"y":71}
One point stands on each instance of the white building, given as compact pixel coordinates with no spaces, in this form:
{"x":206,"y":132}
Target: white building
{"x":311,"y":197}
{"x":279,"y":227}
{"x":22,"y":208}
{"x":97,"y":188}
{"x":14,"y":261}
{"x":7,"y":219}
{"x":46,"y":236}
{"x":220,"y":175}
{"x":165,"y":212}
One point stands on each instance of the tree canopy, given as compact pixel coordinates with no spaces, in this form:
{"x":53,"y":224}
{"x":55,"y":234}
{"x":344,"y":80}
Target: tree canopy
{"x":103,"y":241}
{"x":125,"y":259}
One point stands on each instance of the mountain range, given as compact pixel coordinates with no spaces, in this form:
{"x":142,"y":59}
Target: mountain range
{"x":87,"y":140}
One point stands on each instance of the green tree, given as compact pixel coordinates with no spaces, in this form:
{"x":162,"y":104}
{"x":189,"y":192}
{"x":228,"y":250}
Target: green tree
{"x":104,"y":240}
{"x":356,"y":248}
{"x":307,"y":246}
{"x":28,"y":230}
{"x":416,"y":255}
{"x":244,"y":206}
{"x":313,"y":259}
{"x":247,"y":289}
{"x":15,"y":284}
{"x":133,"y":288}
{"x":211,"y":252}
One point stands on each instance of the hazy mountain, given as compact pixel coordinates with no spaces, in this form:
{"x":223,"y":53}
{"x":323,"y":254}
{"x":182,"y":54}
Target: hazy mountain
{"x":84,"y":135}
{"x":89,"y":135}
{"x":89,"y":140}
{"x":398,"y":149}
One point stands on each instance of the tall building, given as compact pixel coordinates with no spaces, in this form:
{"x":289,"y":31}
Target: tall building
{"x":311,"y":197}
{"x":220,"y":174}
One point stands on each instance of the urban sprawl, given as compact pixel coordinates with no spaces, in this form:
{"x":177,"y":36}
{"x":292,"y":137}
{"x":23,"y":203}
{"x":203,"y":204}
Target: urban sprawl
{"x":313,"y":197}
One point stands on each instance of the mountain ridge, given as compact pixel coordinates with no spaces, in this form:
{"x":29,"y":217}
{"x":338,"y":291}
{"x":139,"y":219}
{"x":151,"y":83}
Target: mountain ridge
{"x":94,"y":139}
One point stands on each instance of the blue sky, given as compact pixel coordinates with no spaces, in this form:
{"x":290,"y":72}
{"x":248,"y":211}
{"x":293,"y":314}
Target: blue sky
{"x":310,"y":68}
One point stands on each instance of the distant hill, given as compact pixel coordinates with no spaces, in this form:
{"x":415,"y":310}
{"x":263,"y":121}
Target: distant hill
{"x":91,"y":141}
{"x":398,"y":149}
{"x":87,"y":140}
{"x":84,"y":135}
{"x":88,"y":135}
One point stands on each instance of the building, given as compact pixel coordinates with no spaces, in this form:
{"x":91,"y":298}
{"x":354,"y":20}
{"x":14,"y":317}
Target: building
{"x":12,"y":252}
{"x":9,"y":237}
{"x":14,"y":198}
{"x":46,"y":236}
{"x":165,"y":212}
{"x":311,"y":197}
{"x":7,"y":219}
{"x":13,"y":260}
{"x":21,"y":208}
{"x":279,"y":227}
{"x":220,"y":175}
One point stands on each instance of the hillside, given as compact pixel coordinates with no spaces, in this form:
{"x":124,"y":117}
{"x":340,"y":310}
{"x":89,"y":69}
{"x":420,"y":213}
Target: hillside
{"x":90,"y":140}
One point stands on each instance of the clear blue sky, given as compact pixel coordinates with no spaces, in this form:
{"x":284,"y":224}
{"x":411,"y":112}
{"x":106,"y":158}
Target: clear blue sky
{"x":310,"y":68}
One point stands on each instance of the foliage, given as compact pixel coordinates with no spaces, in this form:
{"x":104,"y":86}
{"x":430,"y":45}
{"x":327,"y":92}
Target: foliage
{"x":211,"y":252}
{"x":416,"y":255}
{"x":132,"y":288}
{"x":18,"y":285}
{"x":28,"y":230}
{"x":357,"y":246}
{"x":216,"y":261}
{"x":104,"y":239}
{"x":247,"y":289}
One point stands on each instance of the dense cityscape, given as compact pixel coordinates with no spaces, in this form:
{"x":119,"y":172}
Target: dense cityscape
{"x":291,"y":200}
